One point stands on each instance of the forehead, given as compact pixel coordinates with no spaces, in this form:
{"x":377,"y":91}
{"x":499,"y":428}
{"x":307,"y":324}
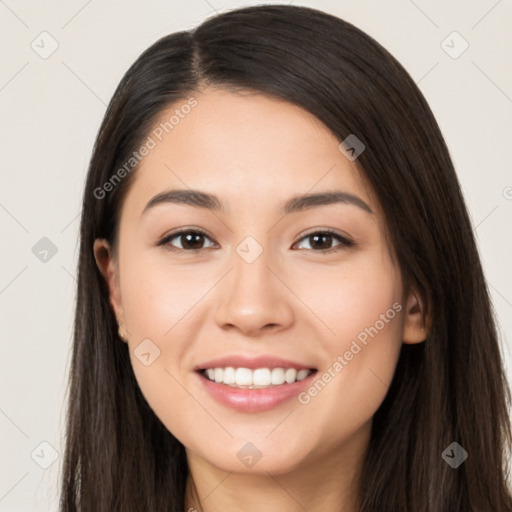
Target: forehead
{"x":245,"y":147}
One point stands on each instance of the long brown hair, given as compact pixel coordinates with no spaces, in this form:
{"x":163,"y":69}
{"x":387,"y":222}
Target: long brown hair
{"x":451,"y":388}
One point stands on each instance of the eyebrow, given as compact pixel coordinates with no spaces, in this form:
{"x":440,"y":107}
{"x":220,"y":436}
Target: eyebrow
{"x":295,"y":204}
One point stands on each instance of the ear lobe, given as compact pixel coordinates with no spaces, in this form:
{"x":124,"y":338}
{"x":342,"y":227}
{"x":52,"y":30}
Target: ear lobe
{"x":415,"y":324}
{"x":108,"y":268}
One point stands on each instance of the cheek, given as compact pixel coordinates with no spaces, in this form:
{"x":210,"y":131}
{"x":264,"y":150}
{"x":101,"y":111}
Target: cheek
{"x":348,"y":299}
{"x":159,"y":299}
{"x":158,"y":304}
{"x":361,"y":324}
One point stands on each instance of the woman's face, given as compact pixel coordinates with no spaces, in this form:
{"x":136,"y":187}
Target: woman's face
{"x":253,"y":289}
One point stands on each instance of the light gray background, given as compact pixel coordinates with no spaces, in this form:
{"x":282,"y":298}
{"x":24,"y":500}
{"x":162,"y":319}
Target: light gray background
{"x":51,"y":110}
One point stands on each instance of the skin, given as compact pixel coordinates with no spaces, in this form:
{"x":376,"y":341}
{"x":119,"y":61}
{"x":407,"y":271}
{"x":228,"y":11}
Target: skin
{"x":255,"y":152}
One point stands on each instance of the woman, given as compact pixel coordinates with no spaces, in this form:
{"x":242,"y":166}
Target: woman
{"x":280,"y":300}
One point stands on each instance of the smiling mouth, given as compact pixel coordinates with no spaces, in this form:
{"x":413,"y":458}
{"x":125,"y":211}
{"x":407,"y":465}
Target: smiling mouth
{"x":260,"y":378}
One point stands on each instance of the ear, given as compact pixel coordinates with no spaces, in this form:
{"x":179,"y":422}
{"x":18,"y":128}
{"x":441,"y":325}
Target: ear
{"x":108,"y":267}
{"x":416,"y":327}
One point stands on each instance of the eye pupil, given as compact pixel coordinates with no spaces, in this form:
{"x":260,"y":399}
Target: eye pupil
{"x":324,"y":246}
{"x":194,"y":244}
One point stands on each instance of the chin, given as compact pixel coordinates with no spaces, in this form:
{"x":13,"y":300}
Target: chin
{"x":255,"y":458}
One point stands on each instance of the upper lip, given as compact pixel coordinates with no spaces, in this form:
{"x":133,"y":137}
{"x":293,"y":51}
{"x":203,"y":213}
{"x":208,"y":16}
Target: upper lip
{"x":239,"y":361}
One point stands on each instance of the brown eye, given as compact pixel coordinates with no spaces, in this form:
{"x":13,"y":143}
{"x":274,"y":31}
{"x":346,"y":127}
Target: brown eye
{"x":189,"y":240}
{"x":321,"y":241}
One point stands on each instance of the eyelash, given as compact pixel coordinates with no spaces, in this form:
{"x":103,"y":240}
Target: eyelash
{"x":344,"y":242}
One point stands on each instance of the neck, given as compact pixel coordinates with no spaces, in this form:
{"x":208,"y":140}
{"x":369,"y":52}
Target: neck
{"x":329,"y":481}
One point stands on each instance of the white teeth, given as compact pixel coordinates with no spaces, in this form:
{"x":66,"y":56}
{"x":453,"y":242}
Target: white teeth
{"x":243,"y":377}
{"x":290,"y":374}
{"x":277,"y":376}
{"x":302,"y":374}
{"x":259,"y":378}
{"x":229,"y":376}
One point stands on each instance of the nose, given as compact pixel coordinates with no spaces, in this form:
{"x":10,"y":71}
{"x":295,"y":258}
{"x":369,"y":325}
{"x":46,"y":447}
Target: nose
{"x":254,"y":299}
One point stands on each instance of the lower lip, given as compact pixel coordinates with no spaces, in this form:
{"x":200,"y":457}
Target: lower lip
{"x":254,"y":400}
